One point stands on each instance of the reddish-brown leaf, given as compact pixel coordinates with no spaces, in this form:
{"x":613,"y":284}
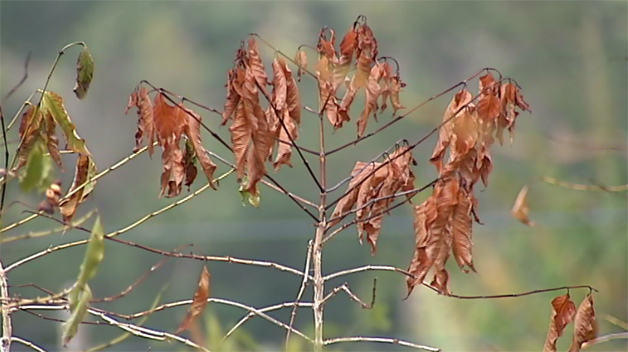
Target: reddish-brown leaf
{"x":421,"y":262}
{"x":585,"y":326}
{"x":360,"y":171}
{"x":52,"y":143}
{"x":193,"y":131}
{"x":563,"y":313}
{"x":85,"y":170}
{"x":256,"y":65}
{"x":199,"y":302}
{"x":284,"y":151}
{"x":234,"y":84}
{"x":29,"y":131}
{"x":280,"y":86}
{"x":461,"y":229}
{"x":459,"y":100}
{"x":372,"y":92}
{"x":145,"y":123}
{"x":173,"y":169}
{"x":169,"y":121}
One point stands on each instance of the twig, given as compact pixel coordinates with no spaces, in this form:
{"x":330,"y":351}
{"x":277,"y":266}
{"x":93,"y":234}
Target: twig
{"x":250,"y":315}
{"x":293,"y":314}
{"x":152,"y":334}
{"x":27,"y":343}
{"x":581,"y":187}
{"x":366,"y":268}
{"x":381,"y":340}
{"x":345,"y":287}
{"x":605,"y":338}
{"x":78,"y":222}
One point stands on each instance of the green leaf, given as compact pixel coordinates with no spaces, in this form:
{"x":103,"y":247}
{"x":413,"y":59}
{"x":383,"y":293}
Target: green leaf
{"x":38,"y":171}
{"x":78,"y":307}
{"x":93,"y":256}
{"x":84,"y":73}
{"x":52,"y":104}
{"x":254,"y":200}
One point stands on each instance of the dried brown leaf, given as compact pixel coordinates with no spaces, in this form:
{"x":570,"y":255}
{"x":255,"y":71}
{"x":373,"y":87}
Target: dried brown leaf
{"x":585,"y":327}
{"x":199,"y":302}
{"x":460,"y":99}
{"x":145,"y":123}
{"x":193,"y":131}
{"x":520,"y":210}
{"x":563,"y":313}
{"x":301,"y":60}
{"x":461,"y":229}
{"x":84,"y":171}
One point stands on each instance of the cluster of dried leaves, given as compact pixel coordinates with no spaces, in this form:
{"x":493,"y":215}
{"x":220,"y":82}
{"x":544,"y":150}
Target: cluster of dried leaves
{"x":372,"y":189}
{"x":563,"y":313}
{"x":166,"y":124}
{"x":257,"y":132}
{"x":332,"y":73}
{"x":443,"y":223}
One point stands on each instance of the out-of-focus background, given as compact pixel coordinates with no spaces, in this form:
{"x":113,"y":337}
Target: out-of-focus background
{"x":569,"y":57}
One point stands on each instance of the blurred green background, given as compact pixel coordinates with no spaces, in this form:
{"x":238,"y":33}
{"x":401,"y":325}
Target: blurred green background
{"x":569,"y":57}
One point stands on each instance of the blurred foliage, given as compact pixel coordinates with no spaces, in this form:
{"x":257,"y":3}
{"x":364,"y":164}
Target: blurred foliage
{"x":569,"y":57}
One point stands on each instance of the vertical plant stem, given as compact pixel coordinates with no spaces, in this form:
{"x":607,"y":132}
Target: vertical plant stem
{"x":317,"y":258}
{"x":7,"y":329}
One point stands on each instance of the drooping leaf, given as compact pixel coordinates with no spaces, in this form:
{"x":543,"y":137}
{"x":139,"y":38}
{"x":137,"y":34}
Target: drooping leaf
{"x":38,"y":171}
{"x":193,"y":131}
{"x":360,"y":172}
{"x":372,"y":92}
{"x":29,"y":132}
{"x":145,"y":124}
{"x":85,"y":170}
{"x":459,"y":100}
{"x":93,"y":256}
{"x":169,"y":121}
{"x":256,"y":66}
{"x":461,"y":229}
{"x":52,"y":104}
{"x":199,"y":302}
{"x":301,"y":60}
{"x":247,"y":197}
{"x":173,"y":170}
{"x":585,"y":327}
{"x":79,"y":310}
{"x":84,"y":73}
{"x":52,"y":143}
{"x":563,"y":313}
{"x":521,"y":210}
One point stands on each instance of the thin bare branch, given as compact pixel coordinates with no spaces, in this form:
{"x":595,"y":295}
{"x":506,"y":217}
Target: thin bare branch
{"x":605,"y":338}
{"x":345,"y":287}
{"x":27,"y":343}
{"x":380,"y":340}
{"x":250,"y":315}
{"x":140,"y":331}
{"x":293,"y":314}
{"x":75,"y":223}
{"x":582,"y":187}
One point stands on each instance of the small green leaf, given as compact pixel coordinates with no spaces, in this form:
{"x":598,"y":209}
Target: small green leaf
{"x":94,"y":254}
{"x":52,"y":104}
{"x":84,"y":73}
{"x":254,"y":200}
{"x":38,"y":171}
{"x":78,"y":307}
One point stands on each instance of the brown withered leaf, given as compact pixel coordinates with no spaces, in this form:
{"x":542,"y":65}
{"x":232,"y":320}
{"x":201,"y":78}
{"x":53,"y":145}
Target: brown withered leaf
{"x":293,"y":97}
{"x":173,"y":170}
{"x":289,"y":130}
{"x":368,"y":190}
{"x":585,"y":326}
{"x":395,"y":89}
{"x":343,"y":64}
{"x":326,"y":46}
{"x":199,"y":302}
{"x":169,"y":121}
{"x":235,"y":79}
{"x":461,"y":229}
{"x":145,"y":124}
{"x":563,"y":313}
{"x":521,"y":210}
{"x":52,"y":143}
{"x":193,"y":131}
{"x":280,"y":86}
{"x":366,"y":53}
{"x":399,"y":177}
{"x":460,"y":99}
{"x":372,"y":91}
{"x":360,"y":171}
{"x":84,"y":171}
{"x":29,"y":132}
{"x":301,"y":60}
{"x":421,"y":262}
{"x":256,"y":65}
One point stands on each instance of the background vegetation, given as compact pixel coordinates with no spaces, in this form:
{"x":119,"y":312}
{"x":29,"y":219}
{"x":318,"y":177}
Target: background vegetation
{"x":570,"y":58}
